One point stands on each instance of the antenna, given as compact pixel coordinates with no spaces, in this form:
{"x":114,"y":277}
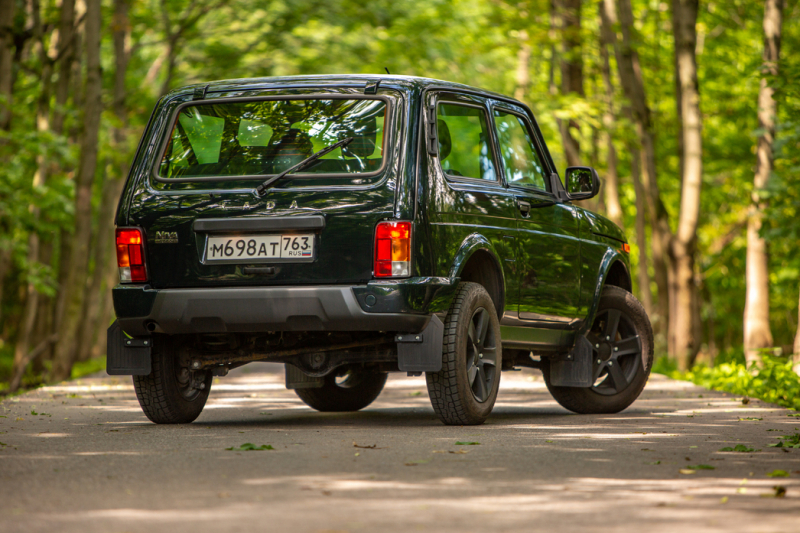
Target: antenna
{"x":387,"y":70}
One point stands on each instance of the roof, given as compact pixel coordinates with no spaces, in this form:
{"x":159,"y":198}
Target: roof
{"x":396,"y":81}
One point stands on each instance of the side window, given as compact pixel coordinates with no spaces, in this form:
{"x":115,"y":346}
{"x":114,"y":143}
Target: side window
{"x":464,"y":143}
{"x":522,"y":163}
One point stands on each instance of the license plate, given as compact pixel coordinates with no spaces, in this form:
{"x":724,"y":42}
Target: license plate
{"x":260,"y":248}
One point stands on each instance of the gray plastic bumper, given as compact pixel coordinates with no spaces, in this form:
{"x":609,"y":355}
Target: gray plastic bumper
{"x":259,"y":309}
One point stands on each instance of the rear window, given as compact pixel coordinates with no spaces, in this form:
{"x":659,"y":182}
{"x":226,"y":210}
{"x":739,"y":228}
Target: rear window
{"x":265,"y":137}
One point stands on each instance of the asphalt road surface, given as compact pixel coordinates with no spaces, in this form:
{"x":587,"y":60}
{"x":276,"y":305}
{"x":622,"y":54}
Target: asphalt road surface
{"x":81,"y":456}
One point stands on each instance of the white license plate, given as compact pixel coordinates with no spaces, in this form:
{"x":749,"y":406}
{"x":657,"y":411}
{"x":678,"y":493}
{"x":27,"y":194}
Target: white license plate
{"x":260,"y":248}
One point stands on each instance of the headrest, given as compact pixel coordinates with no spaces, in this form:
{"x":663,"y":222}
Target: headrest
{"x":445,"y":144}
{"x":294,"y":142}
{"x":365,"y":134}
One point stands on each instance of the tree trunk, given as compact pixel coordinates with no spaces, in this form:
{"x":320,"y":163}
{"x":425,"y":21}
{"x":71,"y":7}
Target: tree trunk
{"x":683,"y":342}
{"x":98,"y":292}
{"x":757,"y":333}
{"x":6,"y":63}
{"x":630,"y":75}
{"x":66,"y":54}
{"x":642,"y":271}
{"x":571,"y":73}
{"x":30,"y":295}
{"x":611,"y":185}
{"x":796,"y":354}
{"x":67,"y":347}
{"x":523,"y":76}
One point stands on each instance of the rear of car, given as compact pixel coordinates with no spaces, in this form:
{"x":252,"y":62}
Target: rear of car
{"x":200,"y":251}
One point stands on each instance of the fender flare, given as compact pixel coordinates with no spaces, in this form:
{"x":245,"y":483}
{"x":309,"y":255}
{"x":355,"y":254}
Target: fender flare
{"x":476,"y":242}
{"x":609,"y":259}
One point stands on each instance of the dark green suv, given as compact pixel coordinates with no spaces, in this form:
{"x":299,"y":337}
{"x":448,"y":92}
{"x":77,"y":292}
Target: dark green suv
{"x":351,"y":226}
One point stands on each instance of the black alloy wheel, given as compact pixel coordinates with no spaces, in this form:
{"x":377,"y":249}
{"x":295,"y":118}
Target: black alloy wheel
{"x":345,"y":389}
{"x":481,"y":355}
{"x":617,"y":352}
{"x":463,"y":392}
{"x":622,"y":356}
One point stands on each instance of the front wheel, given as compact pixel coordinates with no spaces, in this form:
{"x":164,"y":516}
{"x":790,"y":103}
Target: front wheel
{"x":344,"y":390}
{"x":171,"y":393}
{"x":622,"y":356}
{"x":464,"y":391}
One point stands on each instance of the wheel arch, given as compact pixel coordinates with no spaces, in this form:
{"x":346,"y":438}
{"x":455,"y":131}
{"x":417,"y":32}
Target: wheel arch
{"x":476,"y":261}
{"x":613,"y":271}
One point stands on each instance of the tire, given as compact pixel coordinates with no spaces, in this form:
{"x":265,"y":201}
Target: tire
{"x":168,"y":395}
{"x":349,"y":390}
{"x":614,"y":389}
{"x":464,"y":391}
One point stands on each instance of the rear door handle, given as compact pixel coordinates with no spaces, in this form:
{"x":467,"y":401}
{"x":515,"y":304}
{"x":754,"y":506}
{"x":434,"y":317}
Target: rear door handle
{"x":524,"y":208}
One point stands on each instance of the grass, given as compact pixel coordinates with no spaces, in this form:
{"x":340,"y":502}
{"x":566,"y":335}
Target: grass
{"x":774,"y":381}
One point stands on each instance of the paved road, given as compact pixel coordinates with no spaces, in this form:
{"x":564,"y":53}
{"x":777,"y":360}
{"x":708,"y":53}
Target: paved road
{"x":90,"y":461}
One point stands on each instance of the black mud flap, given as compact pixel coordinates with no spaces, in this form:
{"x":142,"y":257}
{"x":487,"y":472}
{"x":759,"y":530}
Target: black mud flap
{"x":421,"y":352}
{"x":575,"y":368}
{"x":127,"y":356}
{"x":297,"y":379}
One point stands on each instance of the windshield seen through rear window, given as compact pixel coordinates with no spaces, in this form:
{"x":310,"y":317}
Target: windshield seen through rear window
{"x":260,"y":138}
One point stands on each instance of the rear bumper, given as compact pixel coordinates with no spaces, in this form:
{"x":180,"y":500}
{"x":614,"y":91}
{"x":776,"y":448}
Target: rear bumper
{"x":404,"y":306}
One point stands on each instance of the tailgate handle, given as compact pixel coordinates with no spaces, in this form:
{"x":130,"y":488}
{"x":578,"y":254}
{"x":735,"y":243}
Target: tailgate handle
{"x":225,"y":225}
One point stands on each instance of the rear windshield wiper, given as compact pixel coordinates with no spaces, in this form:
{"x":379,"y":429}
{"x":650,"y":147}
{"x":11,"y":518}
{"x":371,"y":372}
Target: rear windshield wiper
{"x":303,"y":164}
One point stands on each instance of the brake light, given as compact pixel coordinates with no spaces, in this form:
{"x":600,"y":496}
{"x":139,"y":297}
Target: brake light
{"x":130,"y":255}
{"x":393,"y":249}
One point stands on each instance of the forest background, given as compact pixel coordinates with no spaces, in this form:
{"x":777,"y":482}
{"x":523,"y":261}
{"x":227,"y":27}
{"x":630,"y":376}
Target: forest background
{"x":688,"y":110}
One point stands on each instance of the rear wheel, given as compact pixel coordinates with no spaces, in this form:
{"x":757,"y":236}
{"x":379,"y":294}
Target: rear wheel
{"x":464,"y":391}
{"x":622,"y":356}
{"x":171,"y":394}
{"x":344,"y":390}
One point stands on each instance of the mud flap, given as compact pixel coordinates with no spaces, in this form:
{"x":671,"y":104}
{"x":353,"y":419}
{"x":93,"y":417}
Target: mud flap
{"x":575,"y":368}
{"x":421,"y":352}
{"x":297,"y":379}
{"x":127,"y":356}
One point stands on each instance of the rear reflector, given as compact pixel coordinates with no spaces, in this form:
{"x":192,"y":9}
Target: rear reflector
{"x":393,"y":250}
{"x":626,"y":247}
{"x":130,"y":255}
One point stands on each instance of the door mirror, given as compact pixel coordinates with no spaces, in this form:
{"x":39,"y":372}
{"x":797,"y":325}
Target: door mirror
{"x":582,"y":183}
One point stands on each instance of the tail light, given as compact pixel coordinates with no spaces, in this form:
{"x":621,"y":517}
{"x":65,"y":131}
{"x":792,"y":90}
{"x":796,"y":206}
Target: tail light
{"x":393,"y":250}
{"x":130,"y":255}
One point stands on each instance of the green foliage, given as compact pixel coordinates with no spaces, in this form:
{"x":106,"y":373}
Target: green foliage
{"x":774,"y":381}
{"x":92,"y":366}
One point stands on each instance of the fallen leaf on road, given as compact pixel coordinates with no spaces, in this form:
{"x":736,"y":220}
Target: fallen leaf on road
{"x":249,"y":446}
{"x":371,"y":447}
{"x":738,"y":448}
{"x":460,"y":443}
{"x":724,"y":499}
{"x":702,"y":467}
{"x":777,"y":492}
{"x":459,"y":451}
{"x":654,"y":463}
{"x":687,"y":471}
{"x":745,"y":400}
{"x":778,"y":473}
{"x":749,"y":418}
